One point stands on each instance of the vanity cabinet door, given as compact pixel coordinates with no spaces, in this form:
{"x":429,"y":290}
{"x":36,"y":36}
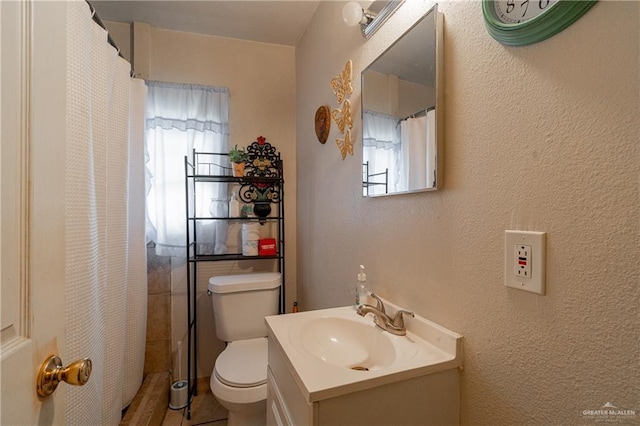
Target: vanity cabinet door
{"x":277,"y":413}
{"x":285,"y":401}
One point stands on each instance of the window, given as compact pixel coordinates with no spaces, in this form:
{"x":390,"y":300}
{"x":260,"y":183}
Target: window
{"x":179,"y":119}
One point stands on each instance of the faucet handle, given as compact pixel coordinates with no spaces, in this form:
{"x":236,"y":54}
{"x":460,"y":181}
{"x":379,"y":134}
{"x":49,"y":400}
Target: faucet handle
{"x":398,"y":320}
{"x":379,"y":304}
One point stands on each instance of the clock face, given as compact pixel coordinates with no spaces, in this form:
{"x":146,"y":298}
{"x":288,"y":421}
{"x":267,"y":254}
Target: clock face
{"x":517,"y":11}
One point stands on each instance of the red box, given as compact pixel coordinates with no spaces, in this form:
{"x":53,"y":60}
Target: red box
{"x":267,"y":247}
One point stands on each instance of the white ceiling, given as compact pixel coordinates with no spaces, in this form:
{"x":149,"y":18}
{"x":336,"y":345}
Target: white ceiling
{"x":267,"y":21}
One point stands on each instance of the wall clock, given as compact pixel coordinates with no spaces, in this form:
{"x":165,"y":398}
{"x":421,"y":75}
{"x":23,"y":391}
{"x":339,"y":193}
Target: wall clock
{"x":524,"y":22}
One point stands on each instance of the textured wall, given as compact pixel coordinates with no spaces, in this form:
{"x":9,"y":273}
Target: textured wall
{"x":538,"y":138}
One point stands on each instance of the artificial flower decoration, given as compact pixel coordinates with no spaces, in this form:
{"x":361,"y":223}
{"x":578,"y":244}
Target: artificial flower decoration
{"x":263,"y":164}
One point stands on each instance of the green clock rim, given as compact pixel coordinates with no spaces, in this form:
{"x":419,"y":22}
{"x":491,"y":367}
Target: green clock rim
{"x":561,"y":15}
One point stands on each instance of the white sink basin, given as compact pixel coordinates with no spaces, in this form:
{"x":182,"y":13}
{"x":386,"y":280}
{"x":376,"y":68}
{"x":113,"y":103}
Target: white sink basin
{"x":346,"y":343}
{"x":336,"y":351}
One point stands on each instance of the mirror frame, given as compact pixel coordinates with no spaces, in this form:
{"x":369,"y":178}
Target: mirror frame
{"x":439,"y":104}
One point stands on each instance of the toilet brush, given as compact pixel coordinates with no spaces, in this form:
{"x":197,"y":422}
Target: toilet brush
{"x":179,"y":388}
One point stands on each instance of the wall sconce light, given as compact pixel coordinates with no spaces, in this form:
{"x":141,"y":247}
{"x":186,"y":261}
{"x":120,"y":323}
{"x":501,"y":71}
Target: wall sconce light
{"x":371,"y":18}
{"x":353,"y":14}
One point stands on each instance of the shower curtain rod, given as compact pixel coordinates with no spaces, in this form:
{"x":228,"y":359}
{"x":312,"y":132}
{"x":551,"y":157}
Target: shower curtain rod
{"x":419,"y":113}
{"x":98,"y":21}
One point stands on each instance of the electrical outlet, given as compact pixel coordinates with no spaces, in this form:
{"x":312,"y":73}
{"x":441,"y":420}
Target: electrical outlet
{"x":525,"y":261}
{"x":522,"y":259}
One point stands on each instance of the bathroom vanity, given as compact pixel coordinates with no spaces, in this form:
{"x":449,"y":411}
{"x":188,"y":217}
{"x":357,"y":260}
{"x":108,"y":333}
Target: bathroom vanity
{"x":331,"y":367}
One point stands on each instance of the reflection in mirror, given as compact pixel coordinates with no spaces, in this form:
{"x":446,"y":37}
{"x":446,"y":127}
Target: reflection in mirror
{"x":402,"y":112}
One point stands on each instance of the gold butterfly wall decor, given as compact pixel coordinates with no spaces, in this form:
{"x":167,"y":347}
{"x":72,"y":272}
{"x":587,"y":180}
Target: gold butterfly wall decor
{"x":343,"y":117}
{"x":342,"y":88}
{"x":341,"y":84}
{"x":345,"y":145}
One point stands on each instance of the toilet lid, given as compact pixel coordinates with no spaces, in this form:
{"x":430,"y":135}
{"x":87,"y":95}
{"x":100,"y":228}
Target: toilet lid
{"x":243,"y":363}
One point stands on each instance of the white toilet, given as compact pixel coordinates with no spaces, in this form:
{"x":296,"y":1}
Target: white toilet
{"x":239,"y":377}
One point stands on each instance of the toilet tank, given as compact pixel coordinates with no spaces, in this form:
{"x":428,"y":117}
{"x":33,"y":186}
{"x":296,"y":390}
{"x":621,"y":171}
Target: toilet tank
{"x":240,"y":303}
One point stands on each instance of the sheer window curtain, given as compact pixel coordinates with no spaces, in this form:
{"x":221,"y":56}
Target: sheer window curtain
{"x":179,"y":119}
{"x":383,"y":149}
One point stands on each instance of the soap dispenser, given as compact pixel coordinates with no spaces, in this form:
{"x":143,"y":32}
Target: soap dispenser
{"x":234,"y":206}
{"x":361,"y":290}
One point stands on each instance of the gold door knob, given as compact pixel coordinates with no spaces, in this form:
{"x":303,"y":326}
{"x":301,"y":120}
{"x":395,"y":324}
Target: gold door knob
{"x":52,"y":373}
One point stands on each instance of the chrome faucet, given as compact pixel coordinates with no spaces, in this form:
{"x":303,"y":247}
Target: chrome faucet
{"x":381,"y":319}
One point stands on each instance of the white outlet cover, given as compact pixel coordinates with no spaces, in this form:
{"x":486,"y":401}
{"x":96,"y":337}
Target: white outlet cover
{"x":536,"y":240}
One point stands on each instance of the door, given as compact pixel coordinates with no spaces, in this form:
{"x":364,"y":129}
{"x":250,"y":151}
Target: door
{"x":32,"y":267}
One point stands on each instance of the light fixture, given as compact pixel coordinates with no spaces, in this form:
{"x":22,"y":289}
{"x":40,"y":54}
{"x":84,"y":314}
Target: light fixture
{"x":354,"y":13}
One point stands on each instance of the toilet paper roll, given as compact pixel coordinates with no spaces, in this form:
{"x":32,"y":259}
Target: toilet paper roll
{"x":179,"y":394}
{"x":250,"y":237}
{"x":250,"y":248}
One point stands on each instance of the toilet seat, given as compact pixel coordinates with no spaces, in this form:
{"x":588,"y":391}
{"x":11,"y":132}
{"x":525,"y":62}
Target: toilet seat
{"x":243,"y":364}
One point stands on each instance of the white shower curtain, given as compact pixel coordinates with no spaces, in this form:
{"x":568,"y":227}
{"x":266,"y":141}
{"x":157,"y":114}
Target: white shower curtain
{"x":418,"y":151}
{"x":414,"y":156}
{"x":432,"y":151}
{"x":105,"y":290}
{"x":136,"y":296}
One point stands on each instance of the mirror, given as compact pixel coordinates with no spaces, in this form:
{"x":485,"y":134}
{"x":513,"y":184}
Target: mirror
{"x":402,"y":113}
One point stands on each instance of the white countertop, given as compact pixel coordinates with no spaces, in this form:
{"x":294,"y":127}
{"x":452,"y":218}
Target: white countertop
{"x":428,"y":348}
